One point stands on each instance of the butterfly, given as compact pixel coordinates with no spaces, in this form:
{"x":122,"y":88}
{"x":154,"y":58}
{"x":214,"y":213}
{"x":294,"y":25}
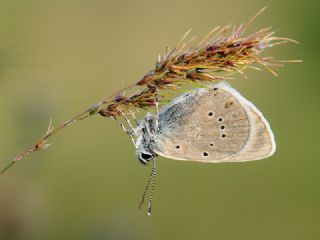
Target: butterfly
{"x":213,"y":124}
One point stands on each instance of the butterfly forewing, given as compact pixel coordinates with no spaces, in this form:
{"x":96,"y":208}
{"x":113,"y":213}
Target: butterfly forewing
{"x":215,"y":124}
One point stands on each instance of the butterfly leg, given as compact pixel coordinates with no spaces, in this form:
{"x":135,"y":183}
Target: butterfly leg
{"x":129,"y":132}
{"x":128,"y":121}
{"x":157,"y":111}
{"x":134,"y":118}
{"x":151,"y":133}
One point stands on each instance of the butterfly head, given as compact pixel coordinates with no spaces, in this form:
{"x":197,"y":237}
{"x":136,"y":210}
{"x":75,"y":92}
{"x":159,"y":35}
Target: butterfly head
{"x":145,"y":157}
{"x":145,"y":140}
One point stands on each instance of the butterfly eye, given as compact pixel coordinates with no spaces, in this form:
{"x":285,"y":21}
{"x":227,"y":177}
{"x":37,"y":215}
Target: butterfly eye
{"x":145,"y":157}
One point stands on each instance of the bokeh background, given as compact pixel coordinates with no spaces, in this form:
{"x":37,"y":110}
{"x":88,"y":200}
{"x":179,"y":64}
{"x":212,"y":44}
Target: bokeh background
{"x":59,"y":57}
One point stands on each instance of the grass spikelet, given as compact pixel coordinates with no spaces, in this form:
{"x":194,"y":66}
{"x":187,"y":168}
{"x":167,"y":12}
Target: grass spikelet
{"x":218,"y":56}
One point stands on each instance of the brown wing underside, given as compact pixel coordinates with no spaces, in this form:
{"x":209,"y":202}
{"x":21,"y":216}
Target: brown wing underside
{"x":215,"y":126}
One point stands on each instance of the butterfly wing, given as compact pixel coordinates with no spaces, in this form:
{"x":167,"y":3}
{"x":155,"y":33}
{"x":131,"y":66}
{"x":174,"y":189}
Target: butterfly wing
{"x":214,"y":124}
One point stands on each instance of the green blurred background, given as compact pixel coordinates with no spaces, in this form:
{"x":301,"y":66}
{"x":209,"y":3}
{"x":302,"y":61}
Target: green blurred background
{"x":59,"y":57}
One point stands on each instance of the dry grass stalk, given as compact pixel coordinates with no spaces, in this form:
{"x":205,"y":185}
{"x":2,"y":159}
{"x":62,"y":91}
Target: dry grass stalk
{"x":216,"y":57}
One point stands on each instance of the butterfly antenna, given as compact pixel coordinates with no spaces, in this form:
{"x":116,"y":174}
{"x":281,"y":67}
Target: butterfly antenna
{"x":154,"y":175}
{"x":146,"y":189}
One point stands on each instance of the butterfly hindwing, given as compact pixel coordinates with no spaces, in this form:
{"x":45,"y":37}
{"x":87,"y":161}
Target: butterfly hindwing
{"x":214,"y":124}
